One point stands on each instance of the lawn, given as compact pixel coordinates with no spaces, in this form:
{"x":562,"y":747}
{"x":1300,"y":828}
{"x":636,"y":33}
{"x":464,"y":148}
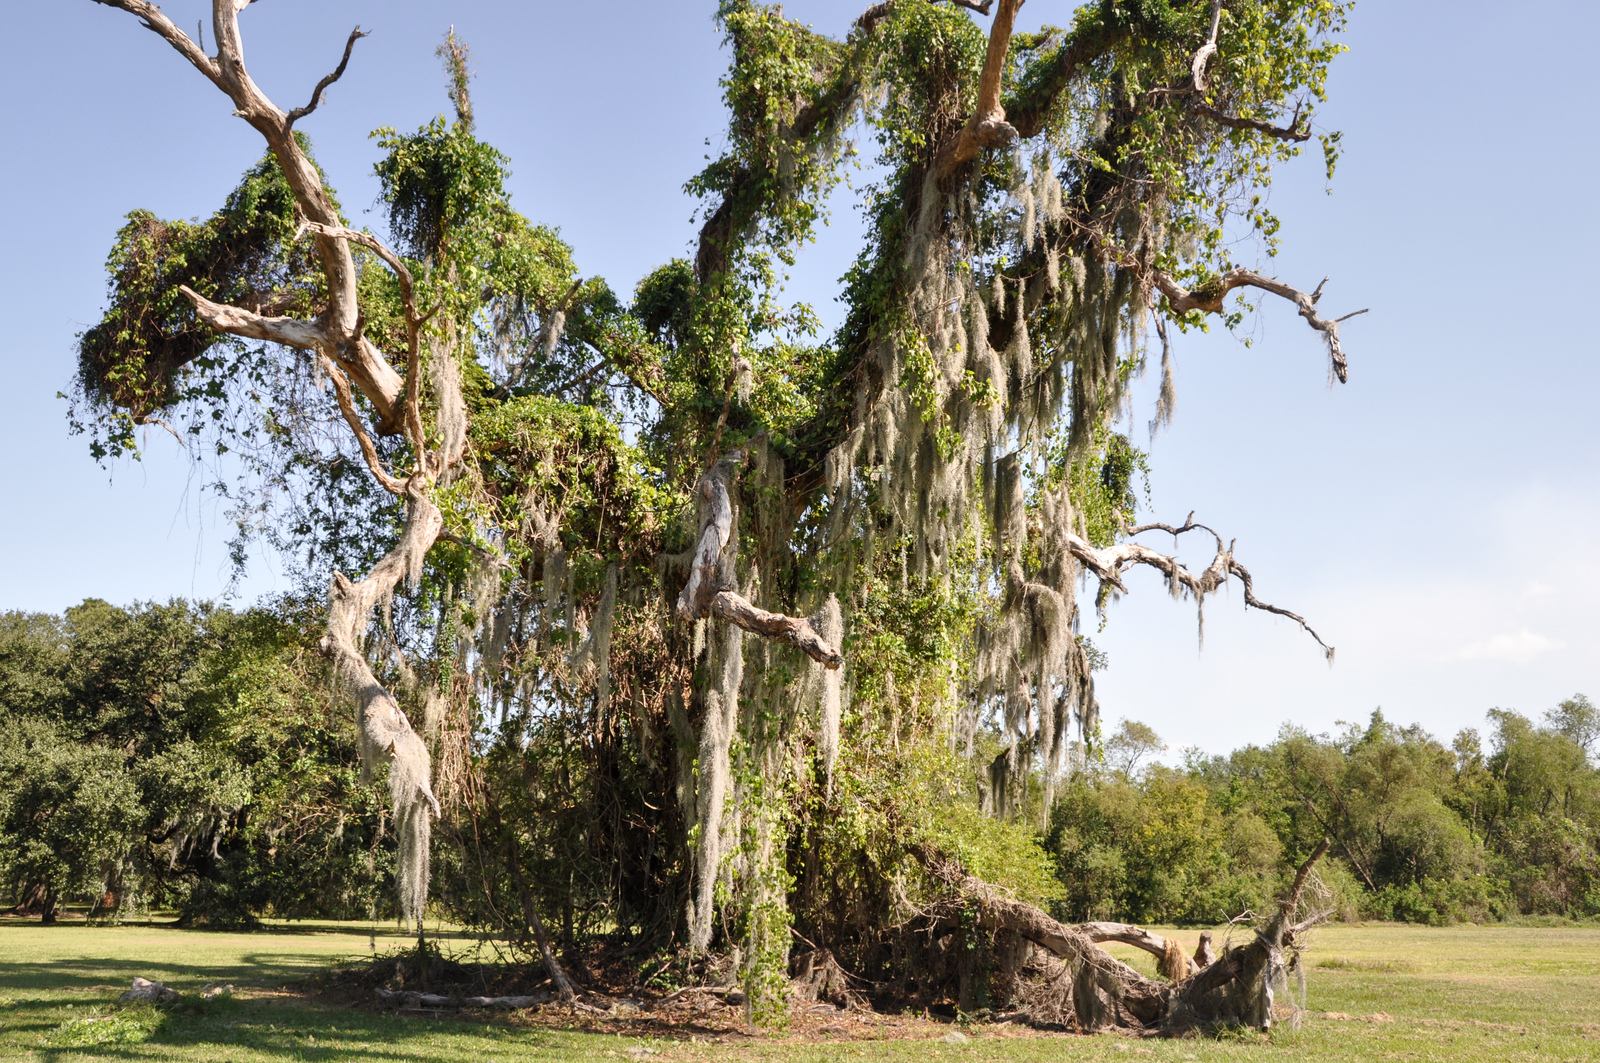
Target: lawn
{"x":1457,"y":994}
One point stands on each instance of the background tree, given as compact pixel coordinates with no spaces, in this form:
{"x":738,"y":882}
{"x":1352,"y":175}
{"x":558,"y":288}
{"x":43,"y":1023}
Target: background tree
{"x":185,"y":758}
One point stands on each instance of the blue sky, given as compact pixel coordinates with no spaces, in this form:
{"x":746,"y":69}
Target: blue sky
{"x":1437,"y":519}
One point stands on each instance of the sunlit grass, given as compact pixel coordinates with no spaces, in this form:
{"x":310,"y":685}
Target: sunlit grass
{"x":1457,"y":994}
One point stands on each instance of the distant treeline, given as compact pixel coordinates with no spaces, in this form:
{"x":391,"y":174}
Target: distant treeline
{"x":1421,"y":831}
{"x":195,"y":759}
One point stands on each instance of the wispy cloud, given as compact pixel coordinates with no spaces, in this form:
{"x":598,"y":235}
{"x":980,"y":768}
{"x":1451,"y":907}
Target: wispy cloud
{"x":1519,"y":647}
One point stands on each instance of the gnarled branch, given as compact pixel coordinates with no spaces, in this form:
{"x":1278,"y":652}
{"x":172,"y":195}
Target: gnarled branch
{"x":701,"y":597}
{"x":796,"y":631}
{"x":155,"y":21}
{"x":316,"y":94}
{"x":1108,"y":563}
{"x":1209,"y":300}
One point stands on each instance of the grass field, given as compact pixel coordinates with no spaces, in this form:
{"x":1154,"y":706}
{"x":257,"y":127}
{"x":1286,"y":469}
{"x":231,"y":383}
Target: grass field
{"x":1459,"y":994}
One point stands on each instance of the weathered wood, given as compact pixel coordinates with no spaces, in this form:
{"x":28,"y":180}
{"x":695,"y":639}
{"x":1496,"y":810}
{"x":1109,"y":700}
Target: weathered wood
{"x":701,"y":597}
{"x":1165,"y":950}
{"x":409,"y":999}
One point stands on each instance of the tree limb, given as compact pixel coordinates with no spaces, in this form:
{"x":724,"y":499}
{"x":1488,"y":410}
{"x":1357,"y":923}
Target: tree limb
{"x":414,"y":320}
{"x":1208,"y":299}
{"x":340,"y":335}
{"x":796,"y":631}
{"x":154,"y":20}
{"x":289,"y":331}
{"x":316,"y":94}
{"x":1293,"y":131}
{"x":1108,"y":563}
{"x":1208,"y":49}
{"x":1140,"y":938}
{"x":701,"y":597}
{"x":341,"y":389}
{"x":987,"y":128}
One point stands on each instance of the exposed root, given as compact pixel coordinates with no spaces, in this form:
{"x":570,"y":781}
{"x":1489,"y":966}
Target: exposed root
{"x":1062,"y":977}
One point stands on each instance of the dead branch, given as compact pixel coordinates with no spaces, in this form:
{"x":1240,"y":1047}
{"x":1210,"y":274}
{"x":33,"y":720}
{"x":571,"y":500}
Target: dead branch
{"x":1108,"y":564}
{"x":289,"y":331}
{"x":1235,"y":987}
{"x":701,"y":597}
{"x":987,"y":127}
{"x":1208,"y":299}
{"x":796,"y":631}
{"x":154,"y":20}
{"x":336,"y":332}
{"x":1197,"y":88}
{"x":1293,"y":131}
{"x":1203,"y":997}
{"x":341,"y":390}
{"x":316,"y":94}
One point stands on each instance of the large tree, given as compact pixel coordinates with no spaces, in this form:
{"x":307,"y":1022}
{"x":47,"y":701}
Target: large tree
{"x":899,"y":515}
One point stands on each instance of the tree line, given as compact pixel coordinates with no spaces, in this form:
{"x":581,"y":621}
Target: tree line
{"x":192,"y":759}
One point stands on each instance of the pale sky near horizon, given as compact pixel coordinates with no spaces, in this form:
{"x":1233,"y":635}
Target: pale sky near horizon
{"x":1437,"y":519}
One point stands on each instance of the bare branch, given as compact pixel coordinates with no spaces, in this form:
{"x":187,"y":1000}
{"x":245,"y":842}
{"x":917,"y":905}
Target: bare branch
{"x":1197,"y":88}
{"x":1108,"y":563}
{"x":1253,"y":602}
{"x":289,"y":331}
{"x":1208,"y":299}
{"x":154,"y":20}
{"x":336,"y":330}
{"x":1292,"y":901}
{"x":796,"y":631}
{"x":341,"y":388}
{"x":1293,"y":131}
{"x":1208,"y":49}
{"x":316,"y":94}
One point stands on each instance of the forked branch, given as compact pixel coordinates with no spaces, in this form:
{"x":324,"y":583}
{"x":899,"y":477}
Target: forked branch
{"x":987,"y":128}
{"x":1208,"y":299}
{"x":347,"y":407}
{"x":701,"y":596}
{"x":1108,"y":564}
{"x":414,"y":319}
{"x":336,"y":332}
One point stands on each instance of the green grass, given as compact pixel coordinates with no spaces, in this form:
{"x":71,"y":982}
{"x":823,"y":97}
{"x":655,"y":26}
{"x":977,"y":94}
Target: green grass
{"x":1457,"y":994}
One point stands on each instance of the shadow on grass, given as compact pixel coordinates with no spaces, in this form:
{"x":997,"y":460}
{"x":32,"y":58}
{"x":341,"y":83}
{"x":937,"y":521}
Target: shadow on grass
{"x":262,"y":970}
{"x":287,"y":1027}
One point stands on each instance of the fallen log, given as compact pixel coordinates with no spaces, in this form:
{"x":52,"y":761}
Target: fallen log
{"x":409,"y":999}
{"x":1237,"y":988}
